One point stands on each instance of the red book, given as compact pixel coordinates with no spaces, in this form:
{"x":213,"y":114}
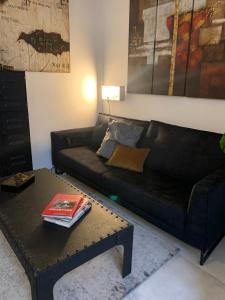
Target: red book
{"x":63,"y":205}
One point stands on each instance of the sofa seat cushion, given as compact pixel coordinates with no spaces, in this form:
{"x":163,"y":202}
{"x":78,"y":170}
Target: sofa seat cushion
{"x":160,"y":196}
{"x":84,"y":162}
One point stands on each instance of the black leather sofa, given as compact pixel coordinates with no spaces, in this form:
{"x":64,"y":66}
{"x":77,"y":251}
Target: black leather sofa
{"x":182,"y":189}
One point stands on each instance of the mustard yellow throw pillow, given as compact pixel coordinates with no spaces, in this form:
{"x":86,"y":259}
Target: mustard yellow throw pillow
{"x":128,"y":158}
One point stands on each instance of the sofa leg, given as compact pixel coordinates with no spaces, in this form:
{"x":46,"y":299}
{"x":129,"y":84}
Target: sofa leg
{"x":58,"y":171}
{"x":202,"y":258}
{"x":205,"y":253}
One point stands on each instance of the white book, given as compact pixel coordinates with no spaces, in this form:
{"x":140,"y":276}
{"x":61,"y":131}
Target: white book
{"x":77,"y":216}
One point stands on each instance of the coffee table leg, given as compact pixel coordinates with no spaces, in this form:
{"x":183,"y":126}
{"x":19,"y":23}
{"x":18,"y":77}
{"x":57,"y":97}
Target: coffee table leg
{"x":42,"y":289}
{"x":127,"y":242}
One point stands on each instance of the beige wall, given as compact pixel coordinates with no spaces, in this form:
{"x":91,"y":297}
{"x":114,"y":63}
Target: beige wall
{"x":196,"y":113}
{"x":58,"y":101}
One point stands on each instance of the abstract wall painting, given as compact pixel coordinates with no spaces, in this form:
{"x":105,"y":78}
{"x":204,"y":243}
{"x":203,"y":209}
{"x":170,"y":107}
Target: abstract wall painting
{"x":34,"y":35}
{"x":177,"y":48}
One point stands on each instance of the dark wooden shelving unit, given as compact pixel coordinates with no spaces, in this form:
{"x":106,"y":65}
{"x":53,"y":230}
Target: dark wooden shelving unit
{"x":15,"y":146}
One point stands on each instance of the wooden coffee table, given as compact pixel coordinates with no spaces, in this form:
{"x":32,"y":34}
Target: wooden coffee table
{"x":47,"y":252}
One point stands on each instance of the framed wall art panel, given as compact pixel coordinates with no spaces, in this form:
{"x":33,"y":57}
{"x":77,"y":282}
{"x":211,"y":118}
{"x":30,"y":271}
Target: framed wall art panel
{"x":177,"y":48}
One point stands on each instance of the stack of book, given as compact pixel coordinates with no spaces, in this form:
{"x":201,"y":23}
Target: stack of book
{"x":66,"y":210}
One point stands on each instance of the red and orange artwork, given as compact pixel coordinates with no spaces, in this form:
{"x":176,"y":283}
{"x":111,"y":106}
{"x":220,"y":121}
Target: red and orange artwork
{"x":177,"y":48}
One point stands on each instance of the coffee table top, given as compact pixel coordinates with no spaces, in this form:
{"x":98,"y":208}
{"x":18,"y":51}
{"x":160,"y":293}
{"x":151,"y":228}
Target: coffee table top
{"x":42,"y":245}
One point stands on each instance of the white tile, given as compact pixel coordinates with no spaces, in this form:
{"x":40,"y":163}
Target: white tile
{"x":179,"y":279}
{"x":215,"y":265}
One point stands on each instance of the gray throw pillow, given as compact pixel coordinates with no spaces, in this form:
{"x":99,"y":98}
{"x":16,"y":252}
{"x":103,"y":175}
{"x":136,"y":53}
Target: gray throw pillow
{"x":119,"y":132}
{"x":107,"y":147}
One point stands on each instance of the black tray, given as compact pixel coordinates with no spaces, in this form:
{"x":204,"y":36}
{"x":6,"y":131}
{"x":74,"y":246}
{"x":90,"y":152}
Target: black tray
{"x":17,"y":183}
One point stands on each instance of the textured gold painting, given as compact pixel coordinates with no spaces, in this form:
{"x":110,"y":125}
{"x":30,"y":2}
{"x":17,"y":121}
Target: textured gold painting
{"x":34,"y":35}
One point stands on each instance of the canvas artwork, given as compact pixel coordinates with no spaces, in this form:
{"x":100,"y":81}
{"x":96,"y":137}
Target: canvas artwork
{"x":34,"y":35}
{"x":177,"y":48}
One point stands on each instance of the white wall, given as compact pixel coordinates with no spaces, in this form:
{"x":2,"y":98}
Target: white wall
{"x":99,"y":49}
{"x":196,"y":113}
{"x":58,"y":101}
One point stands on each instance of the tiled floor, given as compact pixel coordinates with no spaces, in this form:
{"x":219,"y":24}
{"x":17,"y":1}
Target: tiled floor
{"x":183,"y":278}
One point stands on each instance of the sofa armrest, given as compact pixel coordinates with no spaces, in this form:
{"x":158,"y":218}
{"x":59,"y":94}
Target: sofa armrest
{"x":205,"y":188}
{"x":69,"y":139}
{"x":206,"y":210}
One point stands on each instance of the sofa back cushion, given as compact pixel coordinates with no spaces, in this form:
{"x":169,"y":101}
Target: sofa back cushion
{"x":102,"y":125}
{"x":183,"y":153}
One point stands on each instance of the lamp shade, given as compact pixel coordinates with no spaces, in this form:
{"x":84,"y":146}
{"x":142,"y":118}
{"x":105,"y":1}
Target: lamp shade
{"x":113,"y":93}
